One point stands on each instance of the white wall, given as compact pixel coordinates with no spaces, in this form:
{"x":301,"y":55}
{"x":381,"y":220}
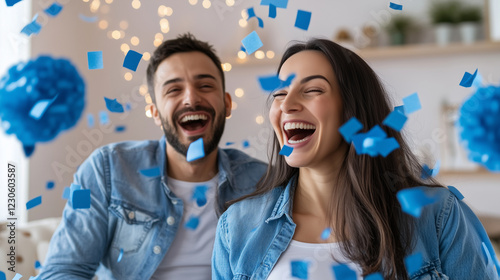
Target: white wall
{"x":434,"y":78}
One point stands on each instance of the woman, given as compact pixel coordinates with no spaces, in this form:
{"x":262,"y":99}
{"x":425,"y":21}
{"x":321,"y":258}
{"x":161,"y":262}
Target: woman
{"x":275,"y":233}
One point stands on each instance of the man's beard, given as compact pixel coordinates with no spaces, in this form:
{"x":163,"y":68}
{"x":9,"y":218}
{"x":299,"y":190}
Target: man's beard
{"x":210,"y":143}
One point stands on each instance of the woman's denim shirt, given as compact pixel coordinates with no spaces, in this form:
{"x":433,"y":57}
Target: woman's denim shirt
{"x":253,"y":233}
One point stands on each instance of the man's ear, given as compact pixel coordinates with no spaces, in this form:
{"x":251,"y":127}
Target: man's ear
{"x":228,"y":103}
{"x":155,"y":114}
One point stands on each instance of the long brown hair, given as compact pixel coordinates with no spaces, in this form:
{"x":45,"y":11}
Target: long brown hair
{"x":368,"y":216}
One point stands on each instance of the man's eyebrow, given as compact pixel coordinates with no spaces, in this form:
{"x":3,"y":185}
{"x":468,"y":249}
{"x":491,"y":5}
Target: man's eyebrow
{"x":175,"y":80}
{"x":203,"y":76}
{"x":307,"y":79}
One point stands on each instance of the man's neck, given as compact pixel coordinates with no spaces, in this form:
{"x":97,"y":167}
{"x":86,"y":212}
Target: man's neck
{"x":199,"y":170}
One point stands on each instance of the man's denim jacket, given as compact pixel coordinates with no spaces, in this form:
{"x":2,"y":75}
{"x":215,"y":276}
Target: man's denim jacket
{"x":253,"y":233}
{"x":132,"y":212}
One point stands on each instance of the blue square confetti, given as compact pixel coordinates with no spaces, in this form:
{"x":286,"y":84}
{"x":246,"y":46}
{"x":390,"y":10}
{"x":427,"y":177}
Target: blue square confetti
{"x":120,"y":256}
{"x":278,"y":3}
{"x":395,"y":120}
{"x":272,"y":11}
{"x":303,"y":19}
{"x":374,"y":276}
{"x":351,"y":127}
{"x":286,"y":150}
{"x":196,"y":150}
{"x":103,"y":117}
{"x":80,"y":199}
{"x":413,"y":200}
{"x":456,"y":192}
{"x":413,"y":263}
{"x":132,"y":60}
{"x":468,"y":79}
{"x":50,"y":185}
{"x":342,"y":271}
{"x":32,"y":28}
{"x":246,"y":144}
{"x":192,"y":223}
{"x":90,"y":120}
{"x":113,"y":105}
{"x":11,"y":3}
{"x":54,"y":9}
{"x":66,"y":193}
{"x":120,"y":128}
{"x":95,"y":60}
{"x":411,"y":103}
{"x":395,"y":6}
{"x":252,"y":42}
{"x":151,"y":172}
{"x":34,"y":202}
{"x":299,"y":269}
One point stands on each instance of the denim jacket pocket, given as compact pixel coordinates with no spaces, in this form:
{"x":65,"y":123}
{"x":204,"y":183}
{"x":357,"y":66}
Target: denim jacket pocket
{"x":132,"y":227}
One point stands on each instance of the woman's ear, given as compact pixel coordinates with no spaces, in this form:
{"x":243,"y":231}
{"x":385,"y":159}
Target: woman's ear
{"x":228,"y":103}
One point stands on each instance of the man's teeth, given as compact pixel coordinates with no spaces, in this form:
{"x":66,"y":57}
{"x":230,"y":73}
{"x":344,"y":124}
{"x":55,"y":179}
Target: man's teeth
{"x":193,"y":118}
{"x":290,"y":125}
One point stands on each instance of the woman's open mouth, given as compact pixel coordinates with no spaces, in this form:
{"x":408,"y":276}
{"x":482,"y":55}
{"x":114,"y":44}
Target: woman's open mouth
{"x":298,"y":132}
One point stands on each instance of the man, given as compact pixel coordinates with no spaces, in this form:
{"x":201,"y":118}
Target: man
{"x":158,"y":227}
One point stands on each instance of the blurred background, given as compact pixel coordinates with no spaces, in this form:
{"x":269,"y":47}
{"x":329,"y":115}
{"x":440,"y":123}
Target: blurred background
{"x":425,"y":48}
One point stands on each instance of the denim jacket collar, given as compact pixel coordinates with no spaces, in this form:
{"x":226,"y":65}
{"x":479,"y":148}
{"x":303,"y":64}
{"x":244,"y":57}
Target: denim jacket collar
{"x":284,"y":203}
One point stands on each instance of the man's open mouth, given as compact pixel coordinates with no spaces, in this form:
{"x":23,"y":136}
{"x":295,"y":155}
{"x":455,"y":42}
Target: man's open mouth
{"x":298,"y":132}
{"x":193,"y":122}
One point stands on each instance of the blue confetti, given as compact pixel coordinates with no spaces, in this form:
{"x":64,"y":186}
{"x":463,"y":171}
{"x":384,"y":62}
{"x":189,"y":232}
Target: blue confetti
{"x":411,"y":103}
{"x":272,"y":82}
{"x":120,"y":128}
{"x":32,"y":28}
{"x":413,"y":200}
{"x":246,"y":144}
{"x":34,"y":202}
{"x":2,"y":276}
{"x":427,"y":172}
{"x":103,"y":117}
{"x":272,"y":11}
{"x":243,"y":48}
{"x":94,"y":60}
{"x":39,"y":109}
{"x":196,"y":150}
{"x":303,"y":19}
{"x":54,"y":9}
{"x":278,"y":3}
{"x":37,"y":264}
{"x":229,"y":143}
{"x":88,"y":19}
{"x":299,"y":269}
{"x":132,"y":60}
{"x":28,"y":150}
{"x":128,"y":106}
{"x":252,"y":42}
{"x":286,"y":150}
{"x":192,"y":223}
{"x":200,"y":195}
{"x":113,"y":105}
{"x":351,"y":127}
{"x":80,"y":199}
{"x":456,"y":192}
{"x":11,"y":3}
{"x":251,"y":13}
{"x":375,"y":145}
{"x":326,"y":233}
{"x":90,"y":120}
{"x":413,"y":263}
{"x":17,"y":277}
{"x":374,"y":276}
{"x":478,"y":123}
{"x":400,"y":109}
{"x":395,"y":6}
{"x":151,"y":172}
{"x":468,"y":79}
{"x":120,"y":256}
{"x":66,"y":193}
{"x":50,"y":185}
{"x":395,"y":120}
{"x":342,"y":271}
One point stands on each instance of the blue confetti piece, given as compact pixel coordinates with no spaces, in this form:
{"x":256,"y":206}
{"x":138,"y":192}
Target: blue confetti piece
{"x":486,"y":253}
{"x":34,"y":202}
{"x":468,"y":79}
{"x":113,"y":105}
{"x":350,"y":128}
{"x":251,"y":13}
{"x":426,"y":172}
{"x":128,"y":106}
{"x":103,"y":117}
{"x":120,"y":256}
{"x":286,"y":150}
{"x":395,"y":120}
{"x":303,"y":19}
{"x":299,"y":269}
{"x":243,"y":48}
{"x":17,"y":277}
{"x":66,"y":193}
{"x":229,"y":143}
{"x":411,"y":103}
{"x":272,"y":82}
{"x":90,"y":120}
{"x":50,"y":185}
{"x":261,"y":22}
{"x":54,"y":9}
{"x":377,"y":142}
{"x":456,"y":192}
{"x":252,"y":42}
{"x":246,"y":144}
{"x":278,"y":3}
{"x":400,"y":109}
{"x":386,"y":146}
{"x":37,"y":264}
{"x":39,"y":109}
{"x":196,"y":150}
{"x":374,"y":276}
{"x":192,"y":223}
{"x":132,"y":60}
{"x":413,"y":200}
{"x":2,"y":276}
{"x":151,"y":172}
{"x":413,"y":263}
{"x":28,"y":150}
{"x":32,"y":28}
{"x":200,"y":195}
{"x":88,"y":19}
{"x":80,"y":199}
{"x":342,"y":271}
{"x":11,"y":3}
{"x":120,"y":128}
{"x":94,"y":60}
{"x":272,"y":11}
{"x":395,"y":6}
{"x":326,"y":233}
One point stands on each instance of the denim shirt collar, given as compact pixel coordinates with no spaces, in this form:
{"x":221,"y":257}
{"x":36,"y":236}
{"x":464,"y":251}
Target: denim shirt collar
{"x":283,"y":205}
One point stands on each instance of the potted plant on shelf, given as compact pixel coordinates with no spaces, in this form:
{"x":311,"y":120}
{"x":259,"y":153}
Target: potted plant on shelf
{"x":398,"y":29}
{"x":469,"y":18}
{"x":444,"y":16}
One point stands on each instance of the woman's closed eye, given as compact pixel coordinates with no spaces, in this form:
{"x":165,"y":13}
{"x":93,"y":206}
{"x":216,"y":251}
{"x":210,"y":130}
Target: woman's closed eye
{"x":279,"y":94}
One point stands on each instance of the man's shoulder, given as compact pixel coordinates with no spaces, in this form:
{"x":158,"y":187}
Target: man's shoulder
{"x":130,"y":146}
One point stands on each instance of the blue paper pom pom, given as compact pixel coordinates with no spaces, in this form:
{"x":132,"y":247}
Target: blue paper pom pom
{"x":479,"y":127}
{"x":39,"y":99}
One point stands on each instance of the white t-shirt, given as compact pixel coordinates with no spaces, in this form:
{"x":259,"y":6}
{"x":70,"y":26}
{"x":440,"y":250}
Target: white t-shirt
{"x":189,"y":256}
{"x":319,"y":259}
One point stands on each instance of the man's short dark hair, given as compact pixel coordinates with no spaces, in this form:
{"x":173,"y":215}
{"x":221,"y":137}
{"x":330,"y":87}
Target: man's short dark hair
{"x":183,"y":43}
